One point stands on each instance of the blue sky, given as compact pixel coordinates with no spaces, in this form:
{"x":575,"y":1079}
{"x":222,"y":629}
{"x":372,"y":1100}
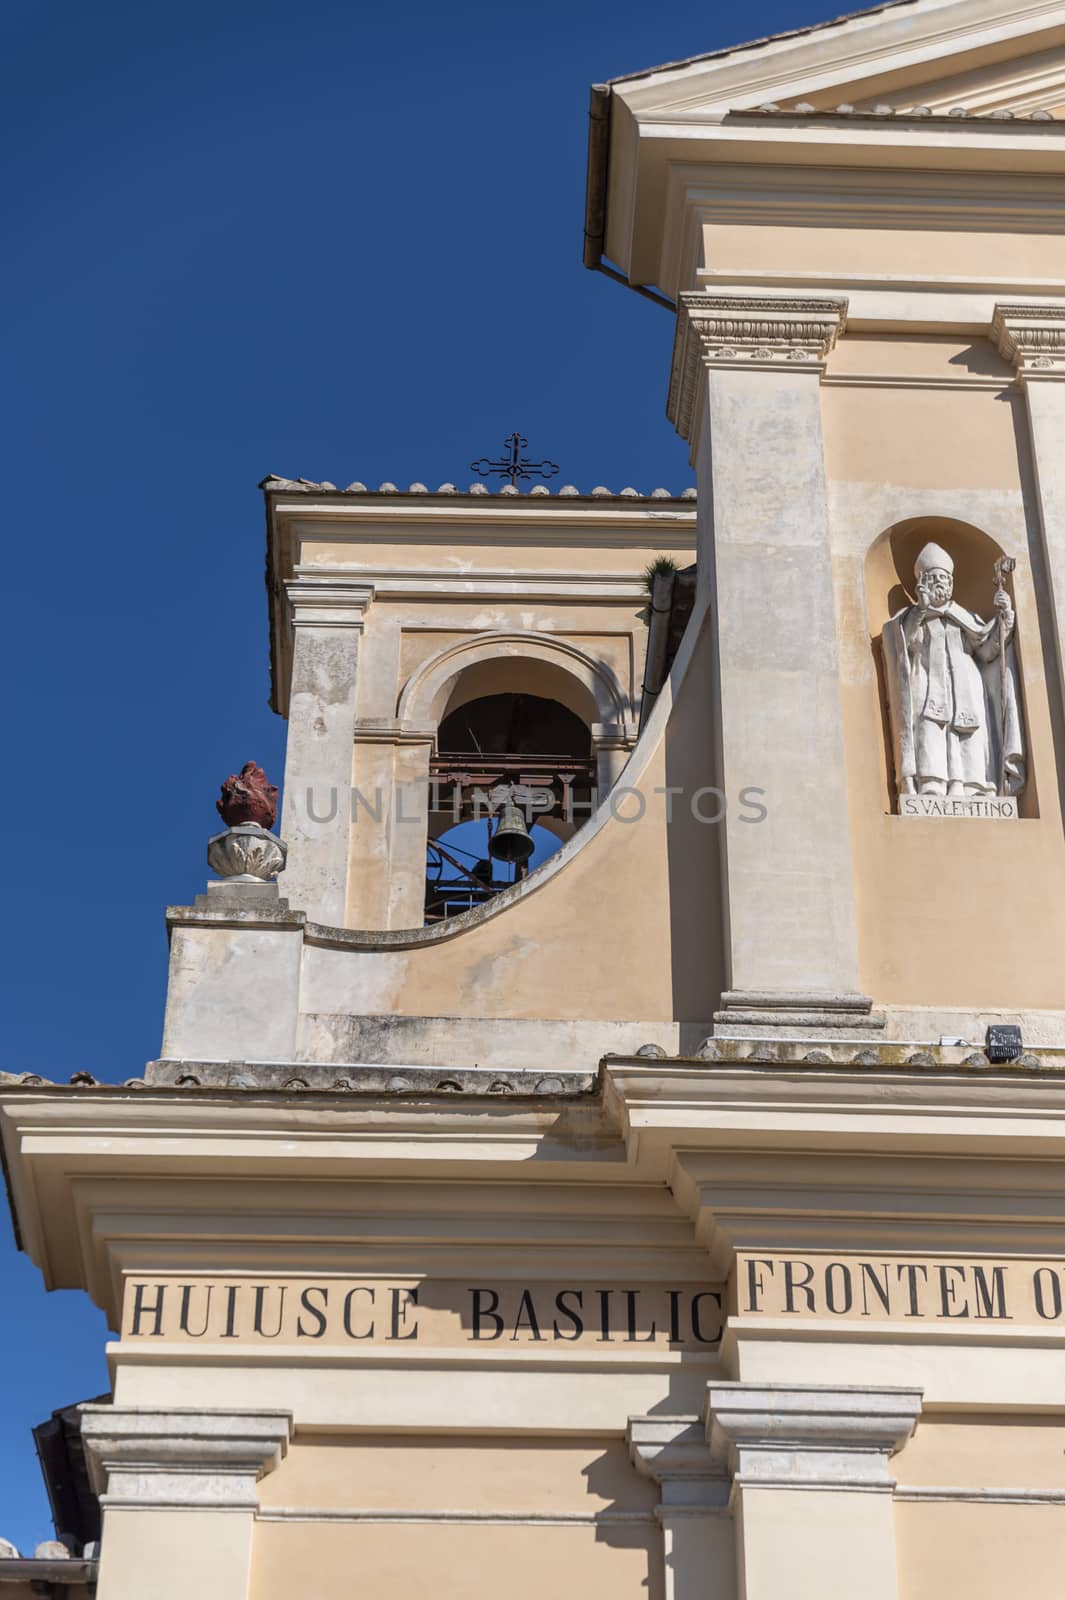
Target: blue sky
{"x":244,"y":237}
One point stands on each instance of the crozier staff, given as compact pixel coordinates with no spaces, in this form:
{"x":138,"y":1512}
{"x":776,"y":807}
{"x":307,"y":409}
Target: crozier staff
{"x":952,"y":690}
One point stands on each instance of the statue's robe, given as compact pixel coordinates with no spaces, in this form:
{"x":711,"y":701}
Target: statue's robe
{"x":955,"y":716}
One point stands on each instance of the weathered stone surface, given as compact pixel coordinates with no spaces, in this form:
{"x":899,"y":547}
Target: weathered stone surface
{"x":416,"y":1082}
{"x":247,"y":796}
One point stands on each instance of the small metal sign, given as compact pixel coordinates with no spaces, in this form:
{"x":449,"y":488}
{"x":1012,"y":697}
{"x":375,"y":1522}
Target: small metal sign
{"x":1004,"y":1043}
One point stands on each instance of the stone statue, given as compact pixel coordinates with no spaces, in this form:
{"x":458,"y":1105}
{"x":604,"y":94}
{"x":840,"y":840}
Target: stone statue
{"x":953,"y":691}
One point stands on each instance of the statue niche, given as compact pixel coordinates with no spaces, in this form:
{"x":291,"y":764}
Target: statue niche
{"x":953,"y":692}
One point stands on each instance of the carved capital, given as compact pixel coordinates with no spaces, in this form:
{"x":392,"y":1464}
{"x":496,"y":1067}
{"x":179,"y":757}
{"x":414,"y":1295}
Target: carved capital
{"x":1032,"y":336}
{"x":151,"y":1460}
{"x":327,"y":600}
{"x":760,"y":332}
{"x":673,"y":1451}
{"x":799,"y":1436}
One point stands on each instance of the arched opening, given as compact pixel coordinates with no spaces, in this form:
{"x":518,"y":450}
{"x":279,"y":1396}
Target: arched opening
{"x":528,"y":749}
{"x":525,"y":724}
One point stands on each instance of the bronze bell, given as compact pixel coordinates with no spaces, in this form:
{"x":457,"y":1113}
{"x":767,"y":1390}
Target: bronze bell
{"x":511,"y":841}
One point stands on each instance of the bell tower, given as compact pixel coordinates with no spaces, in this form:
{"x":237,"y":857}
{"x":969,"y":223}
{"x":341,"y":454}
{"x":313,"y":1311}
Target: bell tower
{"x":609,"y":1131}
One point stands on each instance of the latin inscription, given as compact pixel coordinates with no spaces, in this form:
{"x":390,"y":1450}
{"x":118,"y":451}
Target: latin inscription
{"x":886,"y":1289}
{"x":997,"y":807}
{"x":430,"y":1312}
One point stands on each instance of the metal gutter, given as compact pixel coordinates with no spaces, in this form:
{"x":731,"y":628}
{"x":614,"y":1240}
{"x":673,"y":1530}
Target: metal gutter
{"x":45,"y":1577}
{"x":654,"y":672}
{"x":595,"y":196}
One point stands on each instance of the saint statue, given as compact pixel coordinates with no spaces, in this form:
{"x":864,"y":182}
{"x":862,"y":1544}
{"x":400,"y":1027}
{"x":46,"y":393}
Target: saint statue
{"x":952,"y":690}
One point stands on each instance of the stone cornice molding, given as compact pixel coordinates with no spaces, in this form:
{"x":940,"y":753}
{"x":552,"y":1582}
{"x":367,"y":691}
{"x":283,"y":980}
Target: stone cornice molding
{"x":148,"y":1460}
{"x":328,"y":600}
{"x":673,"y":1451}
{"x":800,"y":1436}
{"x":424,"y":694}
{"x":746,"y":332}
{"x":389,"y":730}
{"x":1032,"y":337}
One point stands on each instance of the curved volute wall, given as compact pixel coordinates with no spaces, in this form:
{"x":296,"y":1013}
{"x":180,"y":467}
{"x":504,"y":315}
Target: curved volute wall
{"x":614,"y":942}
{"x":622,"y":922}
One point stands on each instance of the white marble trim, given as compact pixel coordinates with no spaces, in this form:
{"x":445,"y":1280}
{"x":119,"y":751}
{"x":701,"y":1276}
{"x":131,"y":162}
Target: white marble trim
{"x":523,"y":1519}
{"x":960,"y":1492}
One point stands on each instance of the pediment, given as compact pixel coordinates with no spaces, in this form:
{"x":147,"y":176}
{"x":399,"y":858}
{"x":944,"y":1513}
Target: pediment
{"x":1031,"y":83}
{"x":943,"y":55}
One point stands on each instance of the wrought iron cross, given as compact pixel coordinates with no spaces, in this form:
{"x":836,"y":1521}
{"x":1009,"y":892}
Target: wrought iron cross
{"x":516,"y":465}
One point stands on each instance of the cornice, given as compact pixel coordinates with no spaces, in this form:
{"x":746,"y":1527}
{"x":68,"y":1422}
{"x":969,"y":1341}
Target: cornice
{"x":489,"y":520}
{"x":516,"y":583}
{"x":845,"y":50}
{"x":1032,"y":337}
{"x":746,"y":332}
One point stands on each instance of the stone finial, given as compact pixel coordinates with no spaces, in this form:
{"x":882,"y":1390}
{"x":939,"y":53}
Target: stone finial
{"x":247,"y":852}
{"x":8,"y":1551}
{"x":247,"y":797}
{"x":51,"y":1550}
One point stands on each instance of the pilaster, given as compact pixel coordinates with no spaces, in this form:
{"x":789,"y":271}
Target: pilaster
{"x":745,"y":391}
{"x":697,"y":1539}
{"x":178,"y":1494}
{"x":1032,"y":336}
{"x":327,"y":612}
{"x":812,"y":1489}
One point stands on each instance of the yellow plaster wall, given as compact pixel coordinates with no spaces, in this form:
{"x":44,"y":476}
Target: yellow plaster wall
{"x":924,"y":450}
{"x":388,"y":1472}
{"x":984,"y":1551}
{"x":975,"y":1451}
{"x":510,"y":1525}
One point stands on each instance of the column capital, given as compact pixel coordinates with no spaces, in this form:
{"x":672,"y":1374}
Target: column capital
{"x":746,"y":332}
{"x":323,"y":599}
{"x":805,"y":1436}
{"x":150,"y":1460}
{"x":1032,"y":336}
{"x":674,"y":1452}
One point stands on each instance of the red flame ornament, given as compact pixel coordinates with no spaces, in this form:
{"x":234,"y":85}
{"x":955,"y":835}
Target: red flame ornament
{"x":247,"y":797}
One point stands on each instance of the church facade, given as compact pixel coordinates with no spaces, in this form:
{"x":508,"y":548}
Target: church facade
{"x":609,"y":1131}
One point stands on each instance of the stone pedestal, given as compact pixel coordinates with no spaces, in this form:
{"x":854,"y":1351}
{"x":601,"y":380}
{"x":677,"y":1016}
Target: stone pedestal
{"x":246,"y":853}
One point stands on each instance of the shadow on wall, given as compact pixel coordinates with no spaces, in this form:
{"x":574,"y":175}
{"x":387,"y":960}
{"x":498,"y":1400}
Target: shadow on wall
{"x":694,"y":848}
{"x":621,"y":1494}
